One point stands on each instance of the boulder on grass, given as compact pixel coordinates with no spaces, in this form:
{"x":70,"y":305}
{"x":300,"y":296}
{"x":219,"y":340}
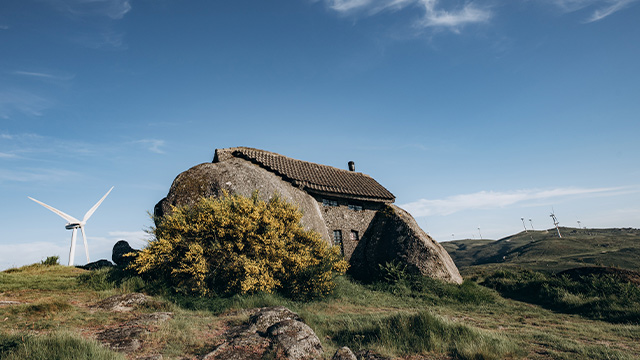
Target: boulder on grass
{"x":120,"y":249}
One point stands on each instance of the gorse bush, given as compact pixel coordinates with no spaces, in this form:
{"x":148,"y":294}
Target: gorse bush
{"x":239,"y":245}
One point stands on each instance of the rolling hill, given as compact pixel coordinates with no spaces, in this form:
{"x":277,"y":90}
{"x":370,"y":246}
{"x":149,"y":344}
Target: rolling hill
{"x":545,"y":251}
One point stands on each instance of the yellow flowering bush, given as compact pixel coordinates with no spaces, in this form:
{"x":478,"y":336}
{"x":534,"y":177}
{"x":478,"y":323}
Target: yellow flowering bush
{"x":240,"y":245}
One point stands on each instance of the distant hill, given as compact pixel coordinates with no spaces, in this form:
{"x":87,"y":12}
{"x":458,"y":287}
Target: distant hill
{"x":545,"y":251}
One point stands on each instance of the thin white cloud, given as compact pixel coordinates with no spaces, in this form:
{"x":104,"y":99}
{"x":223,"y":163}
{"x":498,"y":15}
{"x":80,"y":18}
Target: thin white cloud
{"x":469,"y":13}
{"x":152,"y":145}
{"x":494,"y":199}
{"x":114,"y":9}
{"x":4,"y":27}
{"x":42,"y":75}
{"x":24,"y":102}
{"x":614,"y":6}
{"x":28,"y":175}
{"x":435,"y":13}
{"x":7,"y":155}
{"x":603,"y":9}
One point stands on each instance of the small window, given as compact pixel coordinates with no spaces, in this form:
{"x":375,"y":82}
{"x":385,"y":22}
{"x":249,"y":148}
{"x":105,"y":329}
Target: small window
{"x":354,"y":235}
{"x":337,"y":240}
{"x":328,"y":202}
{"x":337,"y":237}
{"x":355,"y":207}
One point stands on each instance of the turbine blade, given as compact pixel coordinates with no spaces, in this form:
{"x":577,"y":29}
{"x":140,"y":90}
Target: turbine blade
{"x":93,"y":209}
{"x":86,"y":247}
{"x":67,"y":217}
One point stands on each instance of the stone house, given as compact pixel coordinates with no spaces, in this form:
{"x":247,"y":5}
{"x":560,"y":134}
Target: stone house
{"x":347,"y":208}
{"x":348,"y":199}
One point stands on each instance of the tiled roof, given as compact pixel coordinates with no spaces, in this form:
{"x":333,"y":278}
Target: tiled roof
{"x":312,"y":177}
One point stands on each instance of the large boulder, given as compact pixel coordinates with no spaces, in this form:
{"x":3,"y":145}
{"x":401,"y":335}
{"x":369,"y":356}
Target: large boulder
{"x":237,"y":176}
{"x":273,"y":333}
{"x":394,"y":236}
{"x":120,"y":249}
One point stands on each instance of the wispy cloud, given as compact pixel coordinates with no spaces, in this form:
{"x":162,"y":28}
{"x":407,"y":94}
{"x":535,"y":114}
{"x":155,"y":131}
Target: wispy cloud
{"x":41,"y":75}
{"x":114,"y":9}
{"x":23,"y":102}
{"x":152,"y":145}
{"x":612,"y":7}
{"x":4,"y":27}
{"x":603,"y":8}
{"x":495,"y":199}
{"x":7,"y":155}
{"x":36,"y":175}
{"x":435,"y":13}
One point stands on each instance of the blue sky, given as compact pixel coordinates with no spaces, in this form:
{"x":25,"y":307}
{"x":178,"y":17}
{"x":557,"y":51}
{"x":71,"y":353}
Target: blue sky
{"x":475,"y":114}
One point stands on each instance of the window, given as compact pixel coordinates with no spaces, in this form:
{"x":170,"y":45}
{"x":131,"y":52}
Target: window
{"x":354,"y":235}
{"x":355,"y":207}
{"x":327,"y":202}
{"x":337,"y":239}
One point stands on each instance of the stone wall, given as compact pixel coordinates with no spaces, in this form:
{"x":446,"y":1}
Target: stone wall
{"x":351,"y":222}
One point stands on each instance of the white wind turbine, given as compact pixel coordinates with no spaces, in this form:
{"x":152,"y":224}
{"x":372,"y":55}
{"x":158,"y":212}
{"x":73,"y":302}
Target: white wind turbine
{"x":74,"y":224}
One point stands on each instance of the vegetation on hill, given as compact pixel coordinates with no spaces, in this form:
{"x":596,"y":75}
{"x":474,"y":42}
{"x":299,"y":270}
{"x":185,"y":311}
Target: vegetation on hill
{"x":601,"y":296}
{"x":545,"y":251}
{"x":403,"y":317}
{"x":239,"y":245}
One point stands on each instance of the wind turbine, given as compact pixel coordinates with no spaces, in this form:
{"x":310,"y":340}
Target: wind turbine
{"x":74,"y":224}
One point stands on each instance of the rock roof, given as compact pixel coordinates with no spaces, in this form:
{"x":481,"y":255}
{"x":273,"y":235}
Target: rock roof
{"x":312,"y":177}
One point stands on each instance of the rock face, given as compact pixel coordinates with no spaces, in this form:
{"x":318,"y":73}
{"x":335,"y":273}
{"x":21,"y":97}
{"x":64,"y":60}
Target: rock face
{"x":96,"y":265}
{"x":120,"y":249}
{"x":395,"y":236}
{"x":122,"y":303}
{"x":274,"y":333}
{"x":237,"y":176}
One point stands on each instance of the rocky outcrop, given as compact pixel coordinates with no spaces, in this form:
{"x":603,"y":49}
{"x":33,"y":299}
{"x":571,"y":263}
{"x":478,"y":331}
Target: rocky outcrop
{"x":120,"y":249}
{"x":394,"y":236}
{"x":96,"y":265}
{"x":237,"y":176}
{"x":274,"y":333}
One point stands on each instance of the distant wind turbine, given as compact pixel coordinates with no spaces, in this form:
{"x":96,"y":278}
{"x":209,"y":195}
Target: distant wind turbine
{"x":74,"y":224}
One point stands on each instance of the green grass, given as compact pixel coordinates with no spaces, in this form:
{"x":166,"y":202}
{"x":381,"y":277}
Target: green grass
{"x":57,"y":346}
{"x":402,"y":318}
{"x":603,"y":297}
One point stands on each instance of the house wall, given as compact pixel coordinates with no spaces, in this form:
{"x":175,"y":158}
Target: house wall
{"x":342,"y":218}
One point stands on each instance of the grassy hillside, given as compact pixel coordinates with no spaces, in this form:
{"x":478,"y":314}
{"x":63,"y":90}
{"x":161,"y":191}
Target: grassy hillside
{"x":412,"y":318}
{"x":545,"y":251}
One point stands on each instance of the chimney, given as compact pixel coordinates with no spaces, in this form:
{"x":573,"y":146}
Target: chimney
{"x":352,"y":166}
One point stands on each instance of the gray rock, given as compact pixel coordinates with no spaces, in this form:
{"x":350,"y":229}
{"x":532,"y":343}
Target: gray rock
{"x":269,"y":316}
{"x":344,"y":353}
{"x":285,"y":336}
{"x":394,"y":235}
{"x":296,"y":339}
{"x":96,"y":265}
{"x":120,"y":249}
{"x":124,"y":339}
{"x":121,"y":303}
{"x":9,"y":302}
{"x":237,"y":176}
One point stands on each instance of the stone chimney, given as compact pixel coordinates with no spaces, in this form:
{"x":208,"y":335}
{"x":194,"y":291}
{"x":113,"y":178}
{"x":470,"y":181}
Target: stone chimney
{"x":352,"y":166}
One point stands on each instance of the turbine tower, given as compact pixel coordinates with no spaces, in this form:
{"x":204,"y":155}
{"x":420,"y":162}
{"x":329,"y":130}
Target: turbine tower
{"x":73,"y":224}
{"x":555,"y":222}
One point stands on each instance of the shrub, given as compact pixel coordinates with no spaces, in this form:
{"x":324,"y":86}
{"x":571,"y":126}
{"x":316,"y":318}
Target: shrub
{"x":239,"y":245}
{"x":51,"y":261}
